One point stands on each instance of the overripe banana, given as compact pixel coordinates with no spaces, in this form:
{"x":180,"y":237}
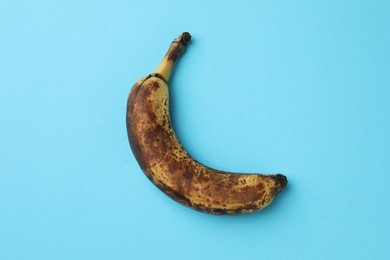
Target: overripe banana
{"x":166,"y":163}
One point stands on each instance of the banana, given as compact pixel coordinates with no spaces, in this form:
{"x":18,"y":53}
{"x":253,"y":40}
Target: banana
{"x":167,"y":164}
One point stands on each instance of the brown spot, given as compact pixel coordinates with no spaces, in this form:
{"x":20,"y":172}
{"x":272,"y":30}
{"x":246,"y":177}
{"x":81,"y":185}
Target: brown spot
{"x":154,"y":85}
{"x":203,"y":178}
{"x":188,"y":175}
{"x":149,"y":136}
{"x":151,"y":116}
{"x":172,"y":167}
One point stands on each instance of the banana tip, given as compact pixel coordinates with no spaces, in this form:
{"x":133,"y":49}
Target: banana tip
{"x":281,"y":182}
{"x":184,"y":38}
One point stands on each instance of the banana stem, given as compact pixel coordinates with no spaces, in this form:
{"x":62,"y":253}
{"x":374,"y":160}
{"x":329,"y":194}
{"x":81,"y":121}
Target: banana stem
{"x":174,"y":52}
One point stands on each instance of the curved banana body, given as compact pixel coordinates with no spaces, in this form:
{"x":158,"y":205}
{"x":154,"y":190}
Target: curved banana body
{"x":167,"y":164}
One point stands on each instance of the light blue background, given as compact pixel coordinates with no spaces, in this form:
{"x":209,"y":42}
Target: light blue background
{"x":297,"y":87}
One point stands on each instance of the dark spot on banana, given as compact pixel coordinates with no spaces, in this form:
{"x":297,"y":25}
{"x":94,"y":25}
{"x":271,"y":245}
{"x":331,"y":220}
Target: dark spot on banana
{"x":154,"y":86}
{"x":188,"y":175}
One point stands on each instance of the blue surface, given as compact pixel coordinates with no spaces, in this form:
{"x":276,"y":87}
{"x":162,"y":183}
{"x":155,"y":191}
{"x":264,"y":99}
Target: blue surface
{"x":297,"y":87}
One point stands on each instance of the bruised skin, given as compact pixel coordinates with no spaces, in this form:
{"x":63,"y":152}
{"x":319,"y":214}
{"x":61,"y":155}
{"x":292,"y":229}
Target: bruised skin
{"x":175,"y":172}
{"x":171,"y":168}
